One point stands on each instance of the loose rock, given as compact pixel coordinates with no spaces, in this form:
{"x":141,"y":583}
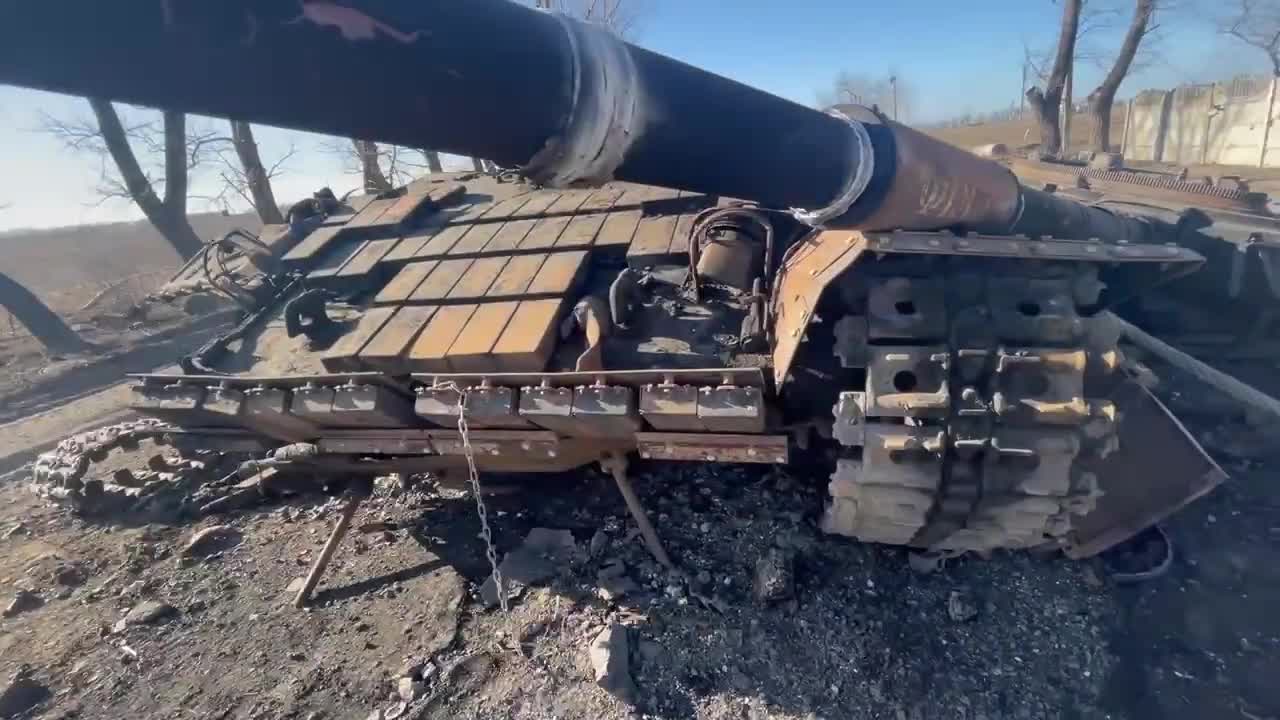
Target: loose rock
{"x":410,"y":689}
{"x":611,"y":663}
{"x":613,"y":588}
{"x":649,"y":651}
{"x":23,"y":600}
{"x":149,"y":612}
{"x":558,"y":544}
{"x":17,"y":529}
{"x":926,"y":563}
{"x":520,"y":567}
{"x":598,"y":543}
{"x":960,"y":608}
{"x":612,"y":569}
{"x":775,"y":576}
{"x":21,"y":693}
{"x":70,"y":575}
{"x":412,"y":667}
{"x":210,"y":540}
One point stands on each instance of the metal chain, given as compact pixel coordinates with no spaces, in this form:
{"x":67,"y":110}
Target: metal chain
{"x":474,"y":477}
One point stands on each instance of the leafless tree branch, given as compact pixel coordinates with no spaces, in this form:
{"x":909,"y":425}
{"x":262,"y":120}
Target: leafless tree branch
{"x":621,"y":17}
{"x":383,"y":167}
{"x":1256,"y":24}
{"x":148,"y":158}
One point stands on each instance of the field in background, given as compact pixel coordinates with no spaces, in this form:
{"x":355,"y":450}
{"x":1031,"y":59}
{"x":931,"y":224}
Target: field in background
{"x":67,"y":266}
{"x":105,"y":267}
{"x":1022,"y":131}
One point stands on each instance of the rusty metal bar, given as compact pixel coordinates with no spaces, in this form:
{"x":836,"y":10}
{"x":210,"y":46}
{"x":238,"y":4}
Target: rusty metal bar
{"x":1243,"y":393}
{"x":616,"y":465}
{"x":326,"y":554}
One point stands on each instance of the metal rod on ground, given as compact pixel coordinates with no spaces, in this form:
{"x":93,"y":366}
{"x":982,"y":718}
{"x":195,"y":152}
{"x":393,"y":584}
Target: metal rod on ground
{"x":326,"y":554}
{"x":617,"y":466}
{"x":1233,"y":388}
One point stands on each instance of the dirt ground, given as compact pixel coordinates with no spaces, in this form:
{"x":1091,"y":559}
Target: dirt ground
{"x":1013,"y":636}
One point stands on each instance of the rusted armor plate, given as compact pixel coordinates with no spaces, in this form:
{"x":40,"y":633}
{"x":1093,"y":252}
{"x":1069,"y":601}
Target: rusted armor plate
{"x":713,"y":447}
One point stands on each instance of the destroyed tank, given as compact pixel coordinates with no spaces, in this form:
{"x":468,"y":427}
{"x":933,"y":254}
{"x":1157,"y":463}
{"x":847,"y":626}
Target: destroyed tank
{"x":680,"y":267}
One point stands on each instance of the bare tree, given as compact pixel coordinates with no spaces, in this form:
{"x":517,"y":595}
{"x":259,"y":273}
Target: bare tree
{"x":1103,"y":97}
{"x":1047,"y":102}
{"x":1098,"y":18}
{"x":111,"y":138}
{"x":369,"y":157}
{"x":244,"y":178}
{"x":382,"y":167}
{"x":160,"y":188}
{"x":43,"y":324}
{"x":249,"y":178}
{"x":1256,"y":23}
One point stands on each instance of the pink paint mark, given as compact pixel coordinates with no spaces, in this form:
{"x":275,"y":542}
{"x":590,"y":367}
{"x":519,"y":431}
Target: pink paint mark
{"x":353,"y":24}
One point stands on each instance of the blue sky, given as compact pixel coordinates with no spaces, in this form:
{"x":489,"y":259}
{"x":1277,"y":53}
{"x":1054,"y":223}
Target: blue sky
{"x":956,"y":57}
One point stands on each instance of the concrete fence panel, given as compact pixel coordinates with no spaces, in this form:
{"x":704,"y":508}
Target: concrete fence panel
{"x":1188,"y":128}
{"x":1144,"y":127}
{"x":1238,"y":121}
{"x":1229,"y":123}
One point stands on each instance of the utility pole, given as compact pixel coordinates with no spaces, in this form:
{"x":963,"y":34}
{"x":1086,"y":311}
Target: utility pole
{"x":893,"y":83}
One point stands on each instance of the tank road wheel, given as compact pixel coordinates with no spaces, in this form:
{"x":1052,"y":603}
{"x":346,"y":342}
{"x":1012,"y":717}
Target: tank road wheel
{"x":981,"y":411}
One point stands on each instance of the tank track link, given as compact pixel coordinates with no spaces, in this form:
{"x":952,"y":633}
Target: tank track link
{"x":63,"y":469}
{"x":980,"y":416}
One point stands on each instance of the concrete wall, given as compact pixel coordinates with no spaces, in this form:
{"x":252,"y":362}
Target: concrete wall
{"x":1231,"y":123}
{"x":1142,"y":134}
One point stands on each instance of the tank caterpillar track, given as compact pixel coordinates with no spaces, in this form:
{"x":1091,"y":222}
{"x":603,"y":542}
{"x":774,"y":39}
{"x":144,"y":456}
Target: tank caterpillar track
{"x":982,"y":411}
{"x":66,"y":473}
{"x":65,"y":467}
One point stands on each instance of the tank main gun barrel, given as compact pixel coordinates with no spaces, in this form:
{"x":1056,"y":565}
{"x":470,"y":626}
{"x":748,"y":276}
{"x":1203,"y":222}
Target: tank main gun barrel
{"x":565,"y":101}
